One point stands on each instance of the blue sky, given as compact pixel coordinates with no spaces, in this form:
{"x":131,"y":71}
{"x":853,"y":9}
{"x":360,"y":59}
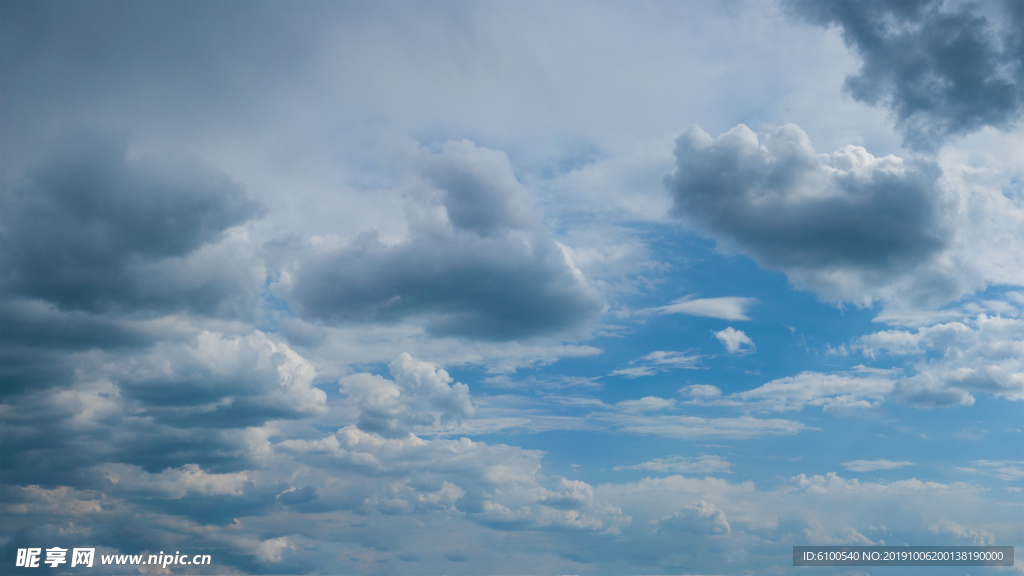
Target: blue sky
{"x":511,"y":287}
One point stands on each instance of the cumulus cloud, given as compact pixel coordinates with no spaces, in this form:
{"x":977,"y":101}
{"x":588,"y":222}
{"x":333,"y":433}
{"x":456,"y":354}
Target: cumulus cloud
{"x":873,"y":465}
{"x":726,"y":308}
{"x":476,"y":263}
{"x":735,"y":341}
{"x":954,"y":360}
{"x":495,"y":485}
{"x":845,"y":224}
{"x":421,"y":396}
{"x":979,"y":537}
{"x":126,"y":234}
{"x":698,"y":518}
{"x":941,"y":72}
{"x":176,"y":404}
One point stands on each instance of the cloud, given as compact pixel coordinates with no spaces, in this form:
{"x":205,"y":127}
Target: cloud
{"x":832,"y":392}
{"x":735,"y":341}
{"x":821,"y":218}
{"x":691,"y":427}
{"x":726,"y":308}
{"x":477,"y":263}
{"x":175,"y":404}
{"x":941,"y":73}
{"x":420,"y":397}
{"x":873,"y":465}
{"x":1009,"y":470}
{"x":495,"y":485}
{"x":703,"y":464}
{"x":698,"y":518}
{"x":979,"y":537}
{"x":658,"y":361}
{"x":954,"y":360}
{"x":127,"y":234}
{"x":645,"y":404}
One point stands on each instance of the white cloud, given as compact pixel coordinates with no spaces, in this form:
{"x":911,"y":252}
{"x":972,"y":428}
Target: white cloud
{"x":645,"y":404}
{"x":634,"y":371}
{"x":703,"y":464}
{"x":687,"y":427}
{"x":1009,"y":470}
{"x":658,"y":361}
{"x":872,"y":465}
{"x":699,"y":518}
{"x":832,"y":392}
{"x":421,"y":397}
{"x":726,"y":308}
{"x":953,"y":360}
{"x":702,"y":391}
{"x":735,"y":341}
{"x":978,"y":537}
{"x":495,"y":485}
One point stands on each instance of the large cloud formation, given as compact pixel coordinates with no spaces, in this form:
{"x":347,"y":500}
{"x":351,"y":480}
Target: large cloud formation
{"x":477,"y":262}
{"x":812,"y":215}
{"x":96,"y":247}
{"x":941,"y":73}
{"x":954,"y":360}
{"x":89,"y":229}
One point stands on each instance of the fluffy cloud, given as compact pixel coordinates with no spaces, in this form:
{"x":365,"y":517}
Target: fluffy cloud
{"x":699,"y":518}
{"x":495,"y":485}
{"x":818,"y":217}
{"x":942,"y":73}
{"x":735,"y":341}
{"x":814,"y":509}
{"x":978,"y":537}
{"x":954,"y":360}
{"x":177,"y":404}
{"x":421,"y":396}
{"x":477,"y":262}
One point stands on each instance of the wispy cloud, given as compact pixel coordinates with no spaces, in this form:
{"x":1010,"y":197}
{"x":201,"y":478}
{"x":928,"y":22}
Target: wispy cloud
{"x":658,"y":361}
{"x":703,"y":464}
{"x":873,"y":465}
{"x":726,"y":308}
{"x":1002,"y":469}
{"x":832,"y":392}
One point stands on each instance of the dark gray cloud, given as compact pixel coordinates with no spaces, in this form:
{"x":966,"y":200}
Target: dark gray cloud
{"x":942,"y":73}
{"x":89,"y":229}
{"x":791,"y":208}
{"x":477,"y":263}
{"x":172,"y":405}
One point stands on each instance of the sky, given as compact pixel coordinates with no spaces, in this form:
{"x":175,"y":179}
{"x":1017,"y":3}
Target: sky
{"x":510,"y":287}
